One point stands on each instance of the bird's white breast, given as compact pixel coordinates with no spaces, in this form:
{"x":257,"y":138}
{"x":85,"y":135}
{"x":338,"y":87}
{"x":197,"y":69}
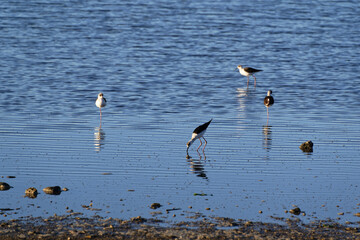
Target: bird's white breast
{"x":100,"y":102}
{"x":242,"y":72}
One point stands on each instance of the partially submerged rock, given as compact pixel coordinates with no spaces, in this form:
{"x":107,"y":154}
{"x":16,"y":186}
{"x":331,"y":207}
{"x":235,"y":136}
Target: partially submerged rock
{"x":4,"y":186}
{"x":31,"y":192}
{"x":56,"y":190}
{"x":155,"y":205}
{"x":307,"y":146}
{"x":295,"y":211}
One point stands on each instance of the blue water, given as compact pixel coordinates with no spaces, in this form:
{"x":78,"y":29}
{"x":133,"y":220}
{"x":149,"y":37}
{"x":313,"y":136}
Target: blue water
{"x":165,"y":68}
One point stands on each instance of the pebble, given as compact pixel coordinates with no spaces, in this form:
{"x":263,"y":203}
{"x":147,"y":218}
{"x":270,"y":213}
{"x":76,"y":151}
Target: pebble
{"x":155,"y":205}
{"x":22,"y":236}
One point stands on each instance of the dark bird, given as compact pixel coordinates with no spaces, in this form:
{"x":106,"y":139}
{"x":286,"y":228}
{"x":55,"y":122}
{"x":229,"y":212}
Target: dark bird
{"x":198,"y":134}
{"x":268,"y":101}
{"x":248,"y":71}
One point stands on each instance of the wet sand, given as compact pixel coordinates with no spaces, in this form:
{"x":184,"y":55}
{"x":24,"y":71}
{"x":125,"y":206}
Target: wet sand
{"x":75,"y":226}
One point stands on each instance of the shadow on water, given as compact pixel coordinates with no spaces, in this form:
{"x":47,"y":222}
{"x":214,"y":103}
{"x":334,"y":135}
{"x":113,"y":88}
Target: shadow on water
{"x":99,"y":137}
{"x":197,"y":166}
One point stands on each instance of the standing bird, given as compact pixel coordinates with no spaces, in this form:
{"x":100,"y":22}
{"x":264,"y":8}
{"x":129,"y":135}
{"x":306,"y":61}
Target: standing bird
{"x":198,"y":134}
{"x":268,"y":101}
{"x":100,"y":103}
{"x":248,"y":71}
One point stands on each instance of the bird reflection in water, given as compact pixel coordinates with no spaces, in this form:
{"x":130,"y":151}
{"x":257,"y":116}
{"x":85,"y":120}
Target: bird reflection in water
{"x":245,"y":97}
{"x":197,"y":166}
{"x":267,"y":137}
{"x":99,"y":137}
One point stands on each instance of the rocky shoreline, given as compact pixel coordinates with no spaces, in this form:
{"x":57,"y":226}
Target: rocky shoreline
{"x":75,"y":226}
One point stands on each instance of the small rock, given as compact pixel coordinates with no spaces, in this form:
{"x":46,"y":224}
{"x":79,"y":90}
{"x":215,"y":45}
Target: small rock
{"x":340,"y":213}
{"x":138,"y":219}
{"x":307,"y":146}
{"x":4,"y":186}
{"x":295,"y":211}
{"x":248,"y":223}
{"x":22,"y":236}
{"x":65,"y":189}
{"x":155,"y":205}
{"x":56,"y":190}
{"x":357,"y":214}
{"x":260,"y":211}
{"x":31,"y":192}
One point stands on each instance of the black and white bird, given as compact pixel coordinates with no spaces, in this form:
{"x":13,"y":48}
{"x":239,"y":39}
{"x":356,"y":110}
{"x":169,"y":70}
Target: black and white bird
{"x":198,"y":134}
{"x":248,"y":71}
{"x":268,"y":101}
{"x":100,"y":102}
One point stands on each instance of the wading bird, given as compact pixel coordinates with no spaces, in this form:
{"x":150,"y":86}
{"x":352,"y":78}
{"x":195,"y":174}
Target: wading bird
{"x":268,"y":101}
{"x":248,"y":71}
{"x":198,"y":134}
{"x":100,"y":103}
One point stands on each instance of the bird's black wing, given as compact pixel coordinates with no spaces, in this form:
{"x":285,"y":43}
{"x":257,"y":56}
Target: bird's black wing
{"x":201,"y":128}
{"x":251,"y":70}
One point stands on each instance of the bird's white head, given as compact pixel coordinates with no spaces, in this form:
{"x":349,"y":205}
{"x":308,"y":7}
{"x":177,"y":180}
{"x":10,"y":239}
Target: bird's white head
{"x":100,"y":95}
{"x":269,"y":93}
{"x":239,"y":67}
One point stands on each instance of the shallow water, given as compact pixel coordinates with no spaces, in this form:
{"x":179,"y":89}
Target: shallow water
{"x":166,"y":68}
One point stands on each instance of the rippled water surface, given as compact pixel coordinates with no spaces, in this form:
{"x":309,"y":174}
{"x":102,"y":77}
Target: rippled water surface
{"x":165,"y":68}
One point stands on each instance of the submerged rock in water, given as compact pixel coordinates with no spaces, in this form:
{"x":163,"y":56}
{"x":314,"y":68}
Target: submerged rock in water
{"x":307,"y":146}
{"x":4,"y":186}
{"x":56,"y":190}
{"x":31,"y":192}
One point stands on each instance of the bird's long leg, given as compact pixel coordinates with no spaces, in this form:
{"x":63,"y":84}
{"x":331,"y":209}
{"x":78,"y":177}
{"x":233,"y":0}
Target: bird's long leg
{"x":199,"y":145}
{"x":205,"y":143}
{"x":267,"y":110}
{"x":199,"y":155}
{"x":254,"y":80}
{"x":248,"y":81}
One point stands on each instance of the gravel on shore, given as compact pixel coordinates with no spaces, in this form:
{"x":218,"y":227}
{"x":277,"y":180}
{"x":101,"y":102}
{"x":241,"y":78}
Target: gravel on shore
{"x":75,"y":226}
